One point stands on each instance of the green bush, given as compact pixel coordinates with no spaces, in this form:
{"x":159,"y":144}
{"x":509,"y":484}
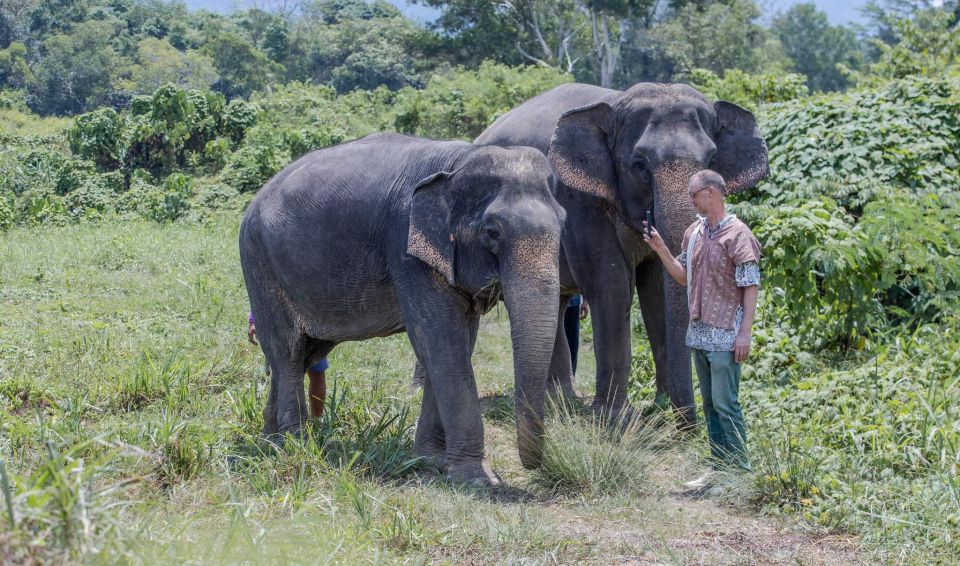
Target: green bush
{"x":238,"y":116}
{"x":872,"y":447}
{"x":98,"y":136}
{"x":857,"y":215}
{"x":750,"y":90}
{"x":460,"y":104}
{"x":251,"y":166}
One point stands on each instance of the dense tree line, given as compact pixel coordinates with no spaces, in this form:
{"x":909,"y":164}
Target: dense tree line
{"x":71,"y":56}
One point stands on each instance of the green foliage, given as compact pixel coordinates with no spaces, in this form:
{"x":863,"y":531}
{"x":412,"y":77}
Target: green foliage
{"x":827,"y":273}
{"x":871,"y":447}
{"x":927,"y":45}
{"x":817,"y":49}
{"x":462,"y":103}
{"x":97,"y":136}
{"x":159,"y":63}
{"x":853,"y":216}
{"x":241,"y":67}
{"x":718,"y":37}
{"x":904,"y":134}
{"x":238,"y":117}
{"x":749,"y":90}
{"x":251,"y":166}
{"x":77,"y":72}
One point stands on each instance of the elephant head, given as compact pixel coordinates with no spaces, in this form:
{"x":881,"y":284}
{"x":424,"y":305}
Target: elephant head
{"x":636,"y":151}
{"x":491,"y":226}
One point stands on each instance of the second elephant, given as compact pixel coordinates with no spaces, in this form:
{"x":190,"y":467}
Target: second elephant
{"x":617,"y":155}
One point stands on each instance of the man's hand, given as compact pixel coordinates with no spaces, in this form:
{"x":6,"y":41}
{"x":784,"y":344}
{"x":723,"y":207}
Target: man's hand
{"x":741,"y":347}
{"x":584,"y":309}
{"x":653,"y":239}
{"x":252,"y":334}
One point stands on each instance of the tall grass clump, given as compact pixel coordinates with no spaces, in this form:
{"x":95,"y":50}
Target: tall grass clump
{"x":370,"y":436}
{"x":66,"y":508}
{"x":583,"y":455}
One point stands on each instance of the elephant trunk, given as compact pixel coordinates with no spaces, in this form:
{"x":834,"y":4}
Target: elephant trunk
{"x":531,"y":294}
{"x":674,"y":213}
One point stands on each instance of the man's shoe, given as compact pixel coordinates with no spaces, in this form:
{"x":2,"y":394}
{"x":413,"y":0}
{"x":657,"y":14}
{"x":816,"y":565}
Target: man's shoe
{"x":703,"y":483}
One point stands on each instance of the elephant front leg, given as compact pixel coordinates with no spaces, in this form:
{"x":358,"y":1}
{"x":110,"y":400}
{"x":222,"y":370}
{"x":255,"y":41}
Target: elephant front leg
{"x":442,"y":340}
{"x":651,"y":299}
{"x":431,"y":441}
{"x":610,"y":310}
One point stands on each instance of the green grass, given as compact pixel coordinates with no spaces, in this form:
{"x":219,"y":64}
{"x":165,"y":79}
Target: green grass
{"x":130,"y":410}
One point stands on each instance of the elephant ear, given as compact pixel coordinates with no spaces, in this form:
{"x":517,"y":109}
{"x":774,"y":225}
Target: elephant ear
{"x":741,"y":152}
{"x":579,"y":152}
{"x":430,"y":238}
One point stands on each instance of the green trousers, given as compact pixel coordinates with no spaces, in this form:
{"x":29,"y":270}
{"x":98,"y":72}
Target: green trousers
{"x":719,"y":377}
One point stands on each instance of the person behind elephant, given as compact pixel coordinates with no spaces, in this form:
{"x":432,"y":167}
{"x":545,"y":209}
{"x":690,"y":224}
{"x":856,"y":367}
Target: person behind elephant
{"x":317,"y":391}
{"x":719,"y":267}
{"x":391,"y":233}
{"x":577,"y":310}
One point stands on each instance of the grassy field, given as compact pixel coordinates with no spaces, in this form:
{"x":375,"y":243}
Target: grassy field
{"x":130,"y":408}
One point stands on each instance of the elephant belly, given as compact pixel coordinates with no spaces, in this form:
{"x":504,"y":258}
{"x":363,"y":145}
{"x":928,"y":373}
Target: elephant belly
{"x":367,"y":312}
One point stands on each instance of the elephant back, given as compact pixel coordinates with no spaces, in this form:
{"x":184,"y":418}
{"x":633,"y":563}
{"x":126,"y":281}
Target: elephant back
{"x":533,"y":122}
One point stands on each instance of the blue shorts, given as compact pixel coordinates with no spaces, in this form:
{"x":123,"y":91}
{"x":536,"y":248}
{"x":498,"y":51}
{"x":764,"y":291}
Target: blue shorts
{"x":322,"y":365}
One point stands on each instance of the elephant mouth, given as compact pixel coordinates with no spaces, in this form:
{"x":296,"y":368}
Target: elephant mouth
{"x":487,"y":297}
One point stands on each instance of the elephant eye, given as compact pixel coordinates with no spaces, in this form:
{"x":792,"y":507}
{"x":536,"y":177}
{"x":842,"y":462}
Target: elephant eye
{"x":493,"y":234}
{"x":642,"y":171}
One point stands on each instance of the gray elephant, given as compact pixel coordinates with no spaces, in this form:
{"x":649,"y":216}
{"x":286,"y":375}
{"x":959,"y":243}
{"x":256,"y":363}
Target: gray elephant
{"x":616,"y":156}
{"x":391,"y":233}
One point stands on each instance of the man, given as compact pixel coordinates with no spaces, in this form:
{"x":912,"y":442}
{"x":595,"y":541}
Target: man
{"x":718,"y":264}
{"x":317,"y":392}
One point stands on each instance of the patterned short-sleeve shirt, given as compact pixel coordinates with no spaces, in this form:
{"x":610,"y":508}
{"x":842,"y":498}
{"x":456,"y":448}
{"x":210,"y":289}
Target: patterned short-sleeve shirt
{"x":716,"y":338}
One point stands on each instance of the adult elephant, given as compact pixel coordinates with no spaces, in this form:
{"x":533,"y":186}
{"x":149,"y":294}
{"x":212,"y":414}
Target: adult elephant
{"x":616,"y":156}
{"x":391,"y":233}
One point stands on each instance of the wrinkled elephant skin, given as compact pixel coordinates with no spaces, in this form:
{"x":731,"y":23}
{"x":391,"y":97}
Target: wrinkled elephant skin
{"x":392,"y":233}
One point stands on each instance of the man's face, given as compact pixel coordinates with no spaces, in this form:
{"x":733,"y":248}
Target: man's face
{"x":700,"y":197}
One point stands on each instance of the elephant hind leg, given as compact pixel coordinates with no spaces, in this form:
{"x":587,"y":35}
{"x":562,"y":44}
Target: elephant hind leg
{"x":285,"y":348}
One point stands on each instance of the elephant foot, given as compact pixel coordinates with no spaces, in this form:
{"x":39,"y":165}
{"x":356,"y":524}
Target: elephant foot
{"x":434,"y":457}
{"x":474,"y":474}
{"x":270,"y":425}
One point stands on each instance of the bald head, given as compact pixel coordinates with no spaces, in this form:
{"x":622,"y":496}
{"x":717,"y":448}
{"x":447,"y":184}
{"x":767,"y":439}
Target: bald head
{"x":707,"y":178}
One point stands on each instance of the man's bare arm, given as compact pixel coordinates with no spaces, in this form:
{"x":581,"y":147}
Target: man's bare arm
{"x":674,"y":267}
{"x":741,"y":348}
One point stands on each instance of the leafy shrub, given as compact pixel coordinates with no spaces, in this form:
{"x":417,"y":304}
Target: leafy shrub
{"x":162,"y":204}
{"x":238,"y":116}
{"x":872,"y":447}
{"x":7,"y":212}
{"x":13,"y":100}
{"x":215,"y":196}
{"x":97,"y":136}
{"x":460,"y":104}
{"x":750,"y":90}
{"x":906,"y":134}
{"x":251,"y":166}
{"x":856,"y":214}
